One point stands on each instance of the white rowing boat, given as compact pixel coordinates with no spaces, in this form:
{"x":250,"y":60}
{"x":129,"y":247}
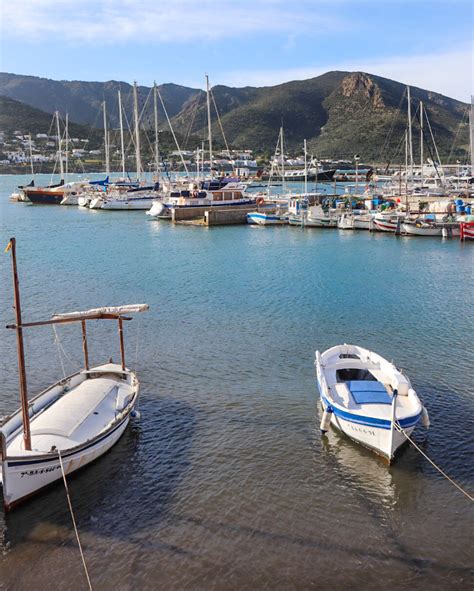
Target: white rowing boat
{"x":72,"y":422}
{"x":367,"y":398}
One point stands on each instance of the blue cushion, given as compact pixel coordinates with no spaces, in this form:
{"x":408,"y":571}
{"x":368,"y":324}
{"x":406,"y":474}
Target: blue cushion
{"x":369,"y":392}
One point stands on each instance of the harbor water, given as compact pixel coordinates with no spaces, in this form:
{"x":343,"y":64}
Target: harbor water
{"x":225,"y":481}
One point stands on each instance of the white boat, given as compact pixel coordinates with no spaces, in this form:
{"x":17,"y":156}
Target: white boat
{"x":317,"y":217}
{"x":71,"y":423}
{"x":276,"y":216}
{"x":84,"y":200}
{"x":136,"y":198}
{"x":356,"y":220}
{"x":367,"y":398}
{"x":388,"y":222}
{"x":73,"y":191}
{"x":426,"y":227}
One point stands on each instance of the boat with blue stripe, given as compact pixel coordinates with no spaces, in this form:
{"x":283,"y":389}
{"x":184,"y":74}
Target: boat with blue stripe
{"x":367,"y":398}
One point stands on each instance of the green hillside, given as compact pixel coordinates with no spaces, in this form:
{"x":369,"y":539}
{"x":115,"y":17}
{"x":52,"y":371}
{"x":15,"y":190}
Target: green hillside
{"x":338,"y":113}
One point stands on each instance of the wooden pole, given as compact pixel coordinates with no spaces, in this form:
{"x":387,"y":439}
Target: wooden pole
{"x":84,"y":345}
{"x":20,"y":352}
{"x":122,"y":347}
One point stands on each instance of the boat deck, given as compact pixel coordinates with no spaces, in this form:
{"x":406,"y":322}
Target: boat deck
{"x":79,"y":415}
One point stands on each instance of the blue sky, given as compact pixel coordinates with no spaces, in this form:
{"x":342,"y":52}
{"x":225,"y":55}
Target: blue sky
{"x":240,"y":42}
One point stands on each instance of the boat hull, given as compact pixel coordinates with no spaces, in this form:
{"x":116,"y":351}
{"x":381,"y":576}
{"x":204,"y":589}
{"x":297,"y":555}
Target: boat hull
{"x":24,"y":473}
{"x":24,"y":477}
{"x":380,"y":440}
{"x":385,"y":226}
{"x":320,"y":223}
{"x":467,"y":231}
{"x":45,"y":197}
{"x":414,"y":230}
{"x":128,"y":204}
{"x":266,"y":219}
{"x":163,"y":210}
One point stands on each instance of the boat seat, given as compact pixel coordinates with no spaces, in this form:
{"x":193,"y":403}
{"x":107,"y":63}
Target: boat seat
{"x":65,"y":416}
{"x":369,"y":392}
{"x":348,"y":363}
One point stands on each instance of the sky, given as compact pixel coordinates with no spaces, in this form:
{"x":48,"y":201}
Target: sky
{"x":428,"y":44}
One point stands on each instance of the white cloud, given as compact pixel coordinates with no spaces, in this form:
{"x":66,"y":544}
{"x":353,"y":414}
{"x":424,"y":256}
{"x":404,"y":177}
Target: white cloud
{"x":449,"y":73}
{"x":180,"y":21}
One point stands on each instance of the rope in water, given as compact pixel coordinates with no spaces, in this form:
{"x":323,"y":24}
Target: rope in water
{"x":397,"y":426}
{"x":74,"y":521}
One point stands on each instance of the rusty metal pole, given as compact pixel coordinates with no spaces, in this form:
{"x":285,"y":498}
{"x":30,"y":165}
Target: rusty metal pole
{"x":122,"y":347}
{"x":84,"y":345}
{"x":20,"y":351}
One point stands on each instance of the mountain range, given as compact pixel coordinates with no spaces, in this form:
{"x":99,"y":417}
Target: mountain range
{"x":338,"y":113}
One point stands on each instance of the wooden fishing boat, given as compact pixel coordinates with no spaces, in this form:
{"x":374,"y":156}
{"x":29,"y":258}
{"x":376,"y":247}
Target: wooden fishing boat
{"x":367,"y":398}
{"x":428,"y":227}
{"x":467,"y":230}
{"x":388,"y":222}
{"x":72,"y":422}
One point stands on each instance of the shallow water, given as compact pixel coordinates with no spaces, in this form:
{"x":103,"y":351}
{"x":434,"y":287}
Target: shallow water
{"x":225,"y":482}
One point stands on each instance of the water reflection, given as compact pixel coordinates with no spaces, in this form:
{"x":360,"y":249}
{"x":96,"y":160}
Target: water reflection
{"x":121,"y":494}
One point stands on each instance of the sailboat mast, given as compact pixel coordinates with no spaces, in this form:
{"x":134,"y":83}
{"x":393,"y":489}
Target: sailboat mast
{"x":66,"y":145}
{"x":58,"y":132}
{"x":421,"y":139}
{"x":202,"y":160}
{"x":106,"y":140}
{"x":305,"y":168}
{"x":20,"y":351}
{"x":137,"y":130}
{"x":197,"y":165}
{"x":406,"y":170}
{"x":209,"y":127}
{"x":282,"y":161}
{"x":155,"y":112}
{"x":122,"y":143}
{"x":471,"y":134}
{"x":410,"y":135}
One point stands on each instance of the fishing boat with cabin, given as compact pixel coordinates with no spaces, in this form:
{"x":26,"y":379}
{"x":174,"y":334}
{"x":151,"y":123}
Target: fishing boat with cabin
{"x":72,"y":422}
{"x":367,"y":398}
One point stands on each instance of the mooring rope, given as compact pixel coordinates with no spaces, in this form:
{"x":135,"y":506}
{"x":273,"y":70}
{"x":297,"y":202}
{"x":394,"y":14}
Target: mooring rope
{"x":397,"y":426}
{"x":74,"y":521}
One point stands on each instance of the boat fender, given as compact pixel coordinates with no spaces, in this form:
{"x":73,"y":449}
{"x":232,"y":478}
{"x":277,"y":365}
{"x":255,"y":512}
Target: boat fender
{"x":135,"y":414}
{"x":326,"y":420}
{"x":260,"y":201}
{"x":425,"y":419}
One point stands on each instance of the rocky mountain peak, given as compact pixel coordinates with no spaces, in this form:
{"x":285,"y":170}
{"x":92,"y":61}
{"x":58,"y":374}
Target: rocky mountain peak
{"x":361,"y":84}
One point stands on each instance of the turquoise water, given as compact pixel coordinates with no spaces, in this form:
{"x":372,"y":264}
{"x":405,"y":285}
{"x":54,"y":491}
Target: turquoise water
{"x":225,"y":482}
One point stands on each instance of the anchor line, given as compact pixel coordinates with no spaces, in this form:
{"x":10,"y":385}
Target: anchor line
{"x":448,"y":478}
{"x":74,"y":521}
